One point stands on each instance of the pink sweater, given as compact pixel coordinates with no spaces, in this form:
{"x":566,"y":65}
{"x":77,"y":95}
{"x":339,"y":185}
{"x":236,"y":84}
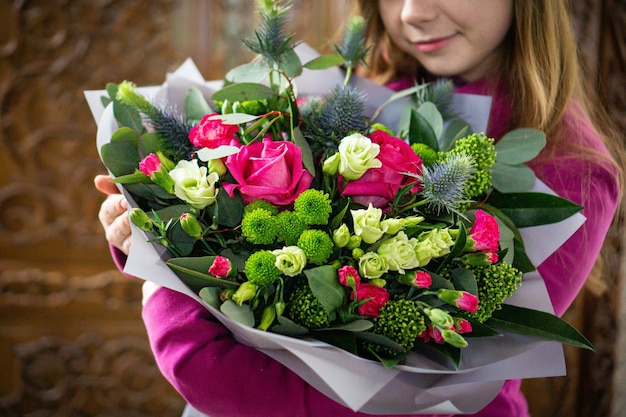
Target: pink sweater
{"x":223,"y":378}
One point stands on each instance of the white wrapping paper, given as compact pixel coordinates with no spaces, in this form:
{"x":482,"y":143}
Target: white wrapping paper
{"x":421,"y":385}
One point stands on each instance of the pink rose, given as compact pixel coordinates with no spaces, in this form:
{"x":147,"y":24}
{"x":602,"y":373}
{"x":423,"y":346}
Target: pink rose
{"x":346,"y":272}
{"x":378,"y":298}
{"x":380,"y":185}
{"x":485,"y":232}
{"x":212,"y":133}
{"x":268,"y":170}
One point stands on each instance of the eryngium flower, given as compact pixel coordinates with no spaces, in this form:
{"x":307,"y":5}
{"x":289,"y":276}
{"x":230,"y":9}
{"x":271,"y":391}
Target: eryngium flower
{"x":352,"y":47}
{"x":270,"y":40}
{"x":342,"y":112}
{"x":443,"y":184}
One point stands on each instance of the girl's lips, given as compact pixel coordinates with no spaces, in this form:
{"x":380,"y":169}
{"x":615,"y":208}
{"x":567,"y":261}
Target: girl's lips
{"x":434,"y":44}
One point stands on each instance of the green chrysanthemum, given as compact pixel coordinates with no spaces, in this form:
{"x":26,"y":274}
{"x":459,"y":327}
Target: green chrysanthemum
{"x":305,"y":309}
{"x":261,"y":204}
{"x":317,"y":245}
{"x":260,"y":268}
{"x":259,"y":227}
{"x":290,"y":227}
{"x":401,"y":321}
{"x":428,"y":155}
{"x":313,"y":206}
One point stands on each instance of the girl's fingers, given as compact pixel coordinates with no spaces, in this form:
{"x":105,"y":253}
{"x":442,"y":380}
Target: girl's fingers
{"x":104,"y":185}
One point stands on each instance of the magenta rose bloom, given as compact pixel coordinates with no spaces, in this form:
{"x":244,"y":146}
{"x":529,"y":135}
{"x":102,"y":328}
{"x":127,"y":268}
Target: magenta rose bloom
{"x":268,"y":170}
{"x":212,"y":133}
{"x":380,"y":185}
{"x":378,"y":298}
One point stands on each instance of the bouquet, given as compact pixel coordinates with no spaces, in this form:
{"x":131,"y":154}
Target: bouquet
{"x":306,"y":217}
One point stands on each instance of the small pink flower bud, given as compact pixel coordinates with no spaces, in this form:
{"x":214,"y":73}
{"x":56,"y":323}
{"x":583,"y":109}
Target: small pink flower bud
{"x":221,"y":267}
{"x":460,"y":299}
{"x":348,"y":276}
{"x":150,"y":164}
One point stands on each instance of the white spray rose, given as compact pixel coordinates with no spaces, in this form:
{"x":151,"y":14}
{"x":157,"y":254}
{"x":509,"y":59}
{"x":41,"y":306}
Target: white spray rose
{"x":399,"y":252}
{"x":193,"y":185}
{"x":357,"y":154}
{"x":367,"y":224}
{"x":290,"y":260}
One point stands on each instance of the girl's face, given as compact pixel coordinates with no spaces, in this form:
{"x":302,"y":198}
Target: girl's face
{"x":450,"y":38}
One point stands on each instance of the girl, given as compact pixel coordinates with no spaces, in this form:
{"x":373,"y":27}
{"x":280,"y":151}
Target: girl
{"x":523,"y":54}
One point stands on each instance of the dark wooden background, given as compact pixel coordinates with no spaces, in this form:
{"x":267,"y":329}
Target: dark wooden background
{"x":71,"y":339}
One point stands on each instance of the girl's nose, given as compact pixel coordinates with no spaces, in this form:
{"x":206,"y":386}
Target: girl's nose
{"x":416,"y":12}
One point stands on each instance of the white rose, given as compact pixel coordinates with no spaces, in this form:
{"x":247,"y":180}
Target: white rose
{"x":357,"y":154}
{"x":193,"y":185}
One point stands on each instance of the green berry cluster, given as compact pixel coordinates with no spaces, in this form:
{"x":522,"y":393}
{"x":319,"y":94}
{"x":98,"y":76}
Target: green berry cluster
{"x":401,"y":321}
{"x":482,"y":150}
{"x":495,"y":284}
{"x":305,"y":309}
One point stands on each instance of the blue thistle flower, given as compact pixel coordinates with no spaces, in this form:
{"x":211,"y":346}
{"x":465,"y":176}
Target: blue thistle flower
{"x":352,"y":47}
{"x":270,"y":40}
{"x":444,"y":182}
{"x":342,"y":113}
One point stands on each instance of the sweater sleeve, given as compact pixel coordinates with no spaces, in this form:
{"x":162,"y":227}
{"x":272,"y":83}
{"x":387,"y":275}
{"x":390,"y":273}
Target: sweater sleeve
{"x":219,"y":376}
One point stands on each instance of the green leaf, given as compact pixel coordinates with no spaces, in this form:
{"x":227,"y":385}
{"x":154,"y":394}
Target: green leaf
{"x":196,"y":105}
{"x":359,"y":325}
{"x":236,"y":118}
{"x":134,"y":178}
{"x":239,"y":313}
{"x":289,"y":328}
{"x":439,"y":282}
{"x":420,"y":131}
{"x":519,"y":146}
{"x":539,"y":324}
{"x":379,"y":340}
{"x":343,"y":340}
{"x":193,"y":271}
{"x":457,"y":129}
{"x":533,"y":209}
{"x":324,"y":62}
{"x":229,"y":211}
{"x":430,"y":112}
{"x":243,"y":92}
{"x":307,"y":155}
{"x":252,"y":72}
{"x":290,"y":63}
{"x":512,"y":178}
{"x":480,"y":330}
{"x":149,"y":143}
{"x":444,"y":350}
{"x":326,"y":287}
{"x":211,"y":296}
{"x":464,"y":280}
{"x":120,"y":158}
{"x":127,"y":116}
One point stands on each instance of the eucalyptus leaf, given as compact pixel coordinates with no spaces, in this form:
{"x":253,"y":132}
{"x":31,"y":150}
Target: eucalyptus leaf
{"x":206,"y":154}
{"x":236,"y":118}
{"x":463,"y":280}
{"x":290,"y":63}
{"x":456,"y":129}
{"x":127,"y":116}
{"x":211,"y":296}
{"x":324,"y":62}
{"x":121,"y":158}
{"x":519,"y":146}
{"x":326,"y":287}
{"x":243,"y":92}
{"x":340,"y":339}
{"x":149,"y":143}
{"x":196,"y":106}
{"x":252,"y":72}
{"x":239,"y":313}
{"x":289,"y":328}
{"x":512,"y":178}
{"x":539,"y":324}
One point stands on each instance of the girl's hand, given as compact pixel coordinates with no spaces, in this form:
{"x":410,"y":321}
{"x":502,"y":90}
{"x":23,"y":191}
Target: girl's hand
{"x":113,"y":214}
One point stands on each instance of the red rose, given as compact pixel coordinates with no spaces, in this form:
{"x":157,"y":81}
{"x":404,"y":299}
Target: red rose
{"x":380,"y":185}
{"x":212,"y":133}
{"x":268,"y":170}
{"x":378,"y":297}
